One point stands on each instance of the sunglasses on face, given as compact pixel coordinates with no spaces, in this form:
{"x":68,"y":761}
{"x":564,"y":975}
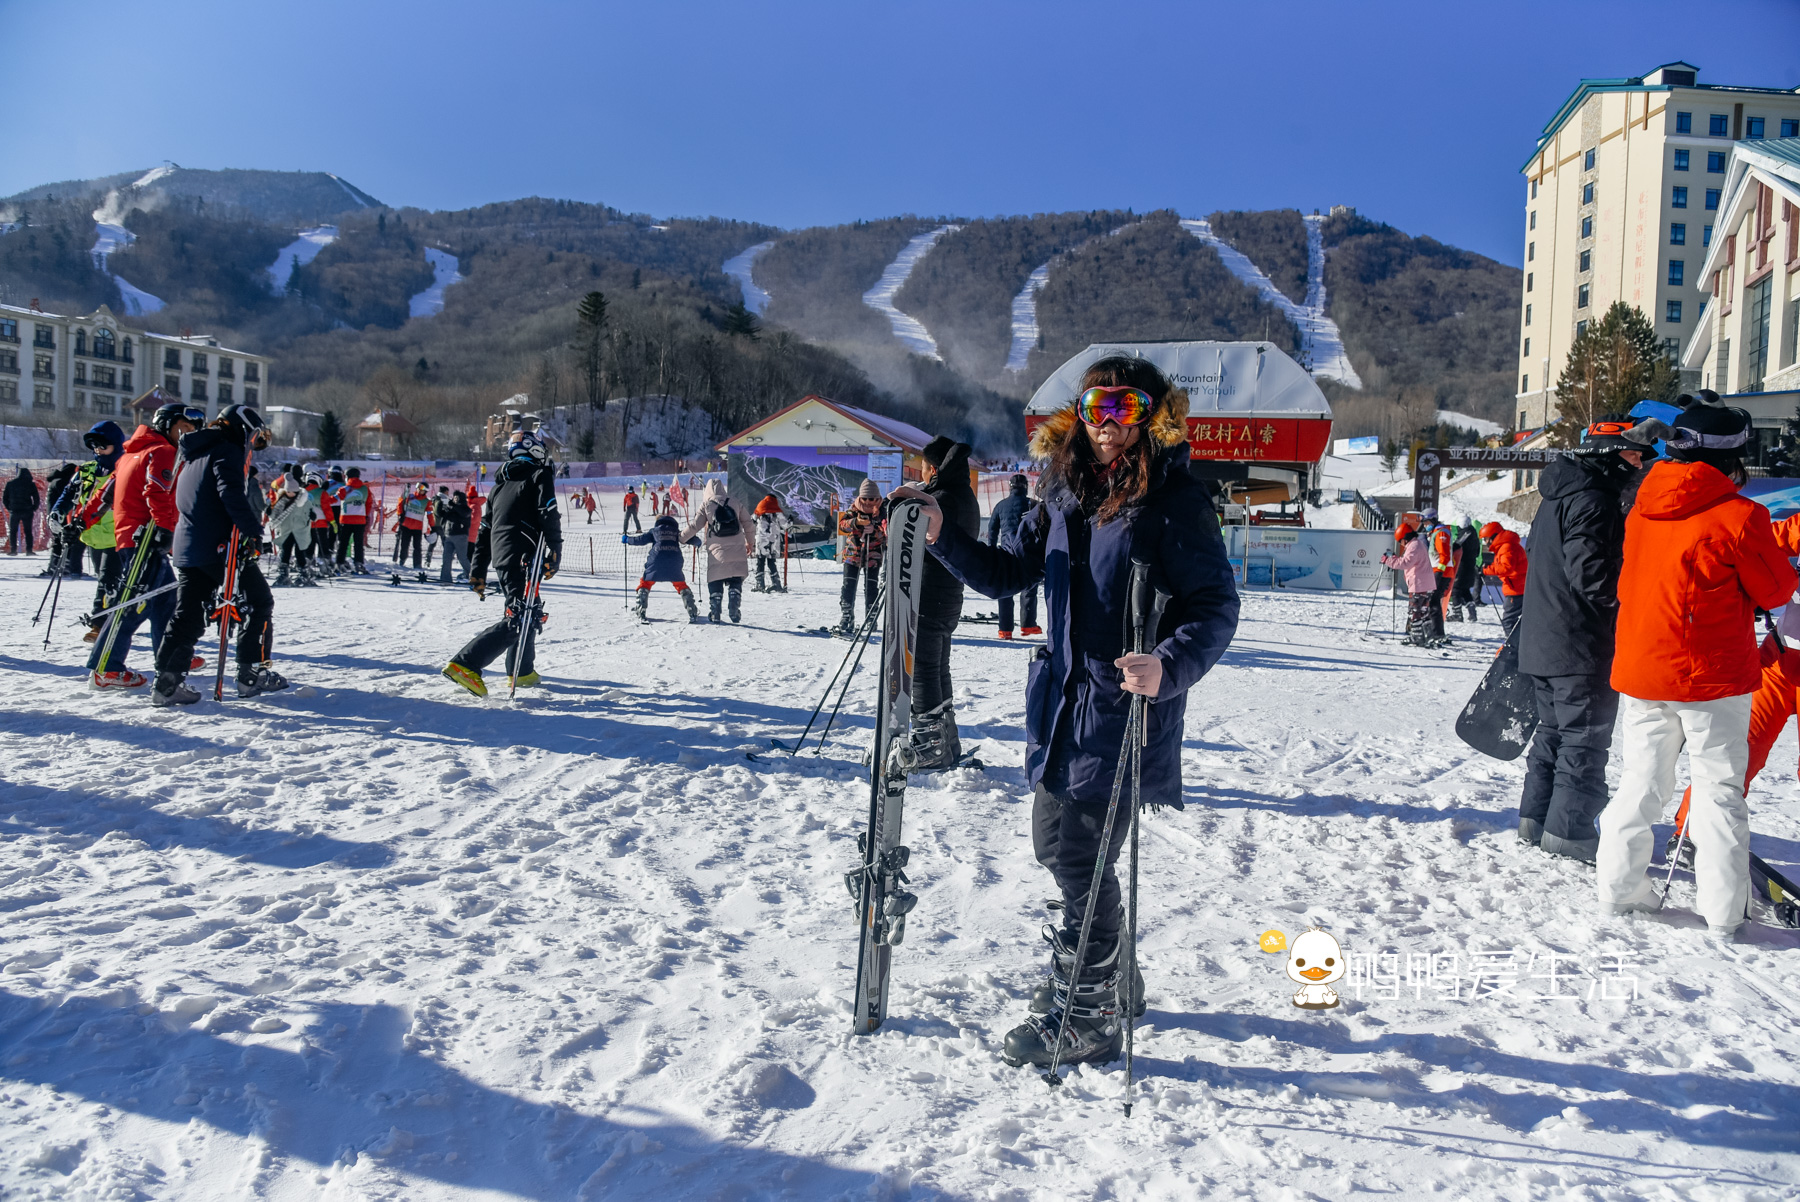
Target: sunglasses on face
{"x":1127,"y":406}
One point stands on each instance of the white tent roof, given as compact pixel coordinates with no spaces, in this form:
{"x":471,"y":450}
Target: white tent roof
{"x":1220,"y":377}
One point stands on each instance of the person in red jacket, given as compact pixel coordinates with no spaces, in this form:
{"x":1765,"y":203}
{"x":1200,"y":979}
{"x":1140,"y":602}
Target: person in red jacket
{"x":354,"y":504}
{"x":1507,"y":565}
{"x":629,"y":507}
{"x":1700,"y":559}
{"x":144,"y":517}
{"x":324,"y":524}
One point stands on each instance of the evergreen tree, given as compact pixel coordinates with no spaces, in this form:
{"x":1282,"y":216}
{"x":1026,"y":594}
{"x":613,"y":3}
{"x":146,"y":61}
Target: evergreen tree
{"x":331,"y":436}
{"x":1613,"y":364}
{"x":740,"y":321}
{"x":590,"y":346}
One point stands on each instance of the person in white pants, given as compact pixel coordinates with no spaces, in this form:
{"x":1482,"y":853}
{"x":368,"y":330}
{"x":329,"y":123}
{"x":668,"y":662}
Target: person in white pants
{"x":1700,"y":559}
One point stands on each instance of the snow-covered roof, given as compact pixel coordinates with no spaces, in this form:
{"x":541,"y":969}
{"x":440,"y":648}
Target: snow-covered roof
{"x":1220,"y":377}
{"x":388,"y":421}
{"x":890,"y":430}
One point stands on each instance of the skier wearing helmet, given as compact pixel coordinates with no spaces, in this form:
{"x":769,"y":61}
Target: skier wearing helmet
{"x":1413,"y":561}
{"x":1507,"y":564}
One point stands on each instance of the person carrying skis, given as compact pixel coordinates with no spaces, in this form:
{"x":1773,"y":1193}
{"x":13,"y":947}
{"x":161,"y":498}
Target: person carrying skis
{"x":1566,"y":639}
{"x":1468,"y":571}
{"x":1508,"y":564}
{"x":144,"y":508}
{"x":291,"y":527}
{"x":354,"y":501}
{"x":1115,"y":488}
{"x":86,"y":508}
{"x":21,"y":500}
{"x":716,"y":527}
{"x":1003,"y":523}
{"x":1413,"y":562}
{"x":452,"y":516}
{"x":521,"y":512}
{"x":936,"y":743}
{"x":865,"y":540}
{"x":663,"y":563}
{"x":214,"y":493}
{"x":409,"y":526}
{"x":1699,"y":561}
{"x":629,"y":508}
{"x":770,"y":527}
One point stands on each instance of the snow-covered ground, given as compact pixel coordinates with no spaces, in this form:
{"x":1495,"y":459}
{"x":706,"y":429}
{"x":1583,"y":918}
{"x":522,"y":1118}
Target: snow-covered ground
{"x":302,"y":250}
{"x":1024,"y":311}
{"x":908,"y":329}
{"x":110,"y":234}
{"x":372,"y":938}
{"x":739,"y":267}
{"x":1321,"y":345}
{"x":430,"y":302}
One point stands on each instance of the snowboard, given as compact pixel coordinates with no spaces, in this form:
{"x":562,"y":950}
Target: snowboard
{"x":882,"y":905}
{"x":1502,"y":714}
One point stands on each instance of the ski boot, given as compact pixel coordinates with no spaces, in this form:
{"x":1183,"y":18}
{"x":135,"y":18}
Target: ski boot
{"x":282,"y":579}
{"x":712,"y":609}
{"x":640,"y":605}
{"x":735,"y":608}
{"x":936,"y":744}
{"x":1530,"y":831}
{"x":1094,"y":1034}
{"x":256,"y":679}
{"x":529,"y":680}
{"x":693,"y":607}
{"x":171,"y":690}
{"x":99,"y":681}
{"x":1679,"y":850}
{"x":467,"y":677}
{"x":1583,"y":851}
{"x":845,"y":629}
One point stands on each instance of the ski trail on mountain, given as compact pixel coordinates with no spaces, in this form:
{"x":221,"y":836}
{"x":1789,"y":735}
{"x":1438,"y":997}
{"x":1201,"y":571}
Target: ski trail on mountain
{"x":298,"y":253}
{"x":739,"y":267}
{"x":1321,"y":344}
{"x":110,"y":235}
{"x":908,"y":329}
{"x":430,"y":302}
{"x":1024,"y":306}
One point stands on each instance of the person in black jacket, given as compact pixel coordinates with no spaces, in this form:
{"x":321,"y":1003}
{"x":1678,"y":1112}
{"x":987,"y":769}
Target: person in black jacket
{"x":219,"y":500}
{"x":1468,"y":571}
{"x":1003,"y":523}
{"x":935,"y":740}
{"x":520,"y":511}
{"x":1566,"y":639}
{"x":21,"y":500}
{"x":452,"y":515}
{"x":65,"y":548}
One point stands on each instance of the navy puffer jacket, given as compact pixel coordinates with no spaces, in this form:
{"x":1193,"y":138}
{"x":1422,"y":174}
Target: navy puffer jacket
{"x":665,"y":560}
{"x":211,"y":491}
{"x":1075,"y":708}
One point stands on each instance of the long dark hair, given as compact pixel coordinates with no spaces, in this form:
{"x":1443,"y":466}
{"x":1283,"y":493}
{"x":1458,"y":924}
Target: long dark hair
{"x":1073,"y":463}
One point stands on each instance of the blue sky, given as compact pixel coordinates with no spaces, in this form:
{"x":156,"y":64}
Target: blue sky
{"x":804,"y":113}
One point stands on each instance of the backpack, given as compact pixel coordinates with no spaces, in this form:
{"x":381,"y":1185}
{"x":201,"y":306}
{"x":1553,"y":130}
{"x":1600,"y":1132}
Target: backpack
{"x":724,"y":521}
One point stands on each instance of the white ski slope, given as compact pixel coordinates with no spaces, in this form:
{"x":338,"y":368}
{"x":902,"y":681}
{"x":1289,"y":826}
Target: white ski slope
{"x":430,"y":302}
{"x":1024,"y":309}
{"x":302,"y":250}
{"x":110,"y":234}
{"x":372,"y":938}
{"x":350,"y":192}
{"x":908,"y":329}
{"x":739,"y":267}
{"x":1321,"y":345}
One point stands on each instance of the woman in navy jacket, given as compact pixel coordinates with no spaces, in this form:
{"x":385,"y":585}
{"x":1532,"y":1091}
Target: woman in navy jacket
{"x":1113,"y":489}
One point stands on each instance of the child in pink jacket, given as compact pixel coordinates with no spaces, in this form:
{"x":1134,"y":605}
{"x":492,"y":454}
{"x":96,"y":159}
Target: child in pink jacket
{"x":1414,"y":563}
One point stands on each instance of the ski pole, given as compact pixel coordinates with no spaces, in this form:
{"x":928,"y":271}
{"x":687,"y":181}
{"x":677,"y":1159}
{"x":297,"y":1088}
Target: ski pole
{"x":55,"y":575}
{"x":54,"y":598}
{"x":1675,"y":857}
{"x":127,"y":595}
{"x":1129,"y":1009}
{"x":528,"y":603}
{"x":832,"y":683}
{"x":139,"y":599}
{"x":866,"y":637}
{"x":227,"y":611}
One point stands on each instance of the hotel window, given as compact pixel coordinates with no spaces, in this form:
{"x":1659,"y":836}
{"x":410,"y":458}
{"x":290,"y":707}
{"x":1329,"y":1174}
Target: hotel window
{"x":1677,"y":270}
{"x":81,"y":373}
{"x":80,"y":400}
{"x":199,"y":362}
{"x":1587,"y":162}
{"x":172,"y":385}
{"x":198,"y":392}
{"x":1712,"y":198}
{"x":1586,"y":261}
{"x":9,"y":393}
{"x":1793,"y":334}
{"x":1529,"y":277}
{"x":1678,"y":198}
{"x":1531,"y":252}
{"x":1533,"y":223}
{"x":9,"y":330}
{"x":125,"y":378}
{"x":1524,"y":386}
{"x":1677,"y":233}
{"x":1587,"y":227}
{"x":102,"y":404}
{"x":1534,"y":183}
{"x":250,"y":396}
{"x":1681,"y":160}
{"x":1587,"y":193}
{"x":1684,"y":123}
{"x":1718,"y":126}
{"x":125,"y":352}
{"x":1673,"y":312}
{"x":1790,"y":128}
{"x":225,"y":371}
{"x":1715,"y":162}
{"x":1526,"y":353}
{"x":171,"y":359}
{"x":1706,"y":235}
{"x":1671,"y":349}
{"x":81,"y":342}
{"x":1527,"y":314}
{"x":1753,"y":127}
{"x":42,"y":397}
{"x":224,"y":392}
{"x":1581,"y":298}
{"x":252,"y":372}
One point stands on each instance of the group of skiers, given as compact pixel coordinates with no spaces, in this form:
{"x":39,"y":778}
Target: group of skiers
{"x":1441,"y":567}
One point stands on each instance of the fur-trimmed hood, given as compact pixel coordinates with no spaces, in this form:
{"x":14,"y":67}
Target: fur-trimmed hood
{"x":1168,"y":425}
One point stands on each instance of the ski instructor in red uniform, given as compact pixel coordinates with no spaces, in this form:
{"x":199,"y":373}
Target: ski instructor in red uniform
{"x":1115,"y":487}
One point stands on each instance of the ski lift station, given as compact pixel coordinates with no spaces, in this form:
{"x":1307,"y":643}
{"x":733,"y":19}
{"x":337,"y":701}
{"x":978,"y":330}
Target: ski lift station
{"x":1257,"y":424}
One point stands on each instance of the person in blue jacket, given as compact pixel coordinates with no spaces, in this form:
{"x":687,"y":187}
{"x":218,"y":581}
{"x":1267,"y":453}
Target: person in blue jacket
{"x":1115,"y":487}
{"x":663,"y":563}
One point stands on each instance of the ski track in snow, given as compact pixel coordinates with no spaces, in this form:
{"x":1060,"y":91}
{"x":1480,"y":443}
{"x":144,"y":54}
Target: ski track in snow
{"x":1024,"y":309}
{"x":908,"y":329}
{"x":372,"y":938}
{"x":110,"y":236}
{"x":349,"y":191}
{"x":430,"y":302}
{"x":739,"y":268}
{"x":302,"y":250}
{"x":1321,"y":345}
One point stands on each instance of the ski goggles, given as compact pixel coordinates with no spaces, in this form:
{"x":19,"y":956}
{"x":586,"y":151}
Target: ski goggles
{"x":1127,"y":406}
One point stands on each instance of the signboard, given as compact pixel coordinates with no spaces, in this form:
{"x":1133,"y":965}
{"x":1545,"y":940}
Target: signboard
{"x":1306,"y":557}
{"x":1357,"y":446}
{"x":1430,"y":464}
{"x":884,"y":469}
{"x":1267,"y":439}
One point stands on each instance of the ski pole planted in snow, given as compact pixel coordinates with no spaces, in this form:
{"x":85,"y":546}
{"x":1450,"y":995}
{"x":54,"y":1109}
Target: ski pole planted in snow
{"x":528,"y":607}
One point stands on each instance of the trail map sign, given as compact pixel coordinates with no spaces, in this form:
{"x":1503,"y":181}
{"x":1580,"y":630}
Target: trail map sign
{"x":1433,"y":460}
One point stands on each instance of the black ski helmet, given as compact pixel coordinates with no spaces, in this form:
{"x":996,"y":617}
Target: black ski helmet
{"x":164,"y":419}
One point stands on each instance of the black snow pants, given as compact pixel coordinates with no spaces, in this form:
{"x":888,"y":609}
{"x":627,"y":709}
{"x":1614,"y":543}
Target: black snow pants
{"x":931,"y":665}
{"x":502,"y":638}
{"x":1565,"y":771}
{"x":109,"y":575}
{"x":1438,"y":594}
{"x":1027,"y":606}
{"x":351,"y":540}
{"x":410,"y":538}
{"x":1065,"y":837}
{"x":847,"y":594}
{"x":193,"y":607}
{"x":1511,"y":610}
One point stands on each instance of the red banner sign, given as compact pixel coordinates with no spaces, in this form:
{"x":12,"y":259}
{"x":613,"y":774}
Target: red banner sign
{"x":1273,"y":439}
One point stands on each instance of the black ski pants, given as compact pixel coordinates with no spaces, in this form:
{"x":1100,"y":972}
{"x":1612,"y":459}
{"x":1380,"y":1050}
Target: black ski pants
{"x":847,"y":594}
{"x":1065,"y":837}
{"x":109,"y":575}
{"x":351,"y":538}
{"x":410,"y":538}
{"x":18,"y":529}
{"x":771,"y":565}
{"x":157,"y":611}
{"x":931,"y":664}
{"x":1511,"y":610}
{"x":716,"y":591}
{"x":502,"y":638}
{"x":1027,"y":609}
{"x":291,"y":549}
{"x":1565,"y":771}
{"x":1437,"y":604}
{"x":193,"y":607}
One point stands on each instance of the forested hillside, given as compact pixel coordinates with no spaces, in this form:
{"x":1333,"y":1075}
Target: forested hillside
{"x":1275,"y":241}
{"x":46,"y":256}
{"x":302,"y":197}
{"x":816,"y":277}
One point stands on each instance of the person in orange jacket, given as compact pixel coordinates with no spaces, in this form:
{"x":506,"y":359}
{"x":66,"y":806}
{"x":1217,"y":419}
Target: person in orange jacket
{"x":1700,"y":559}
{"x":1507,"y":565}
{"x":355,"y":504}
